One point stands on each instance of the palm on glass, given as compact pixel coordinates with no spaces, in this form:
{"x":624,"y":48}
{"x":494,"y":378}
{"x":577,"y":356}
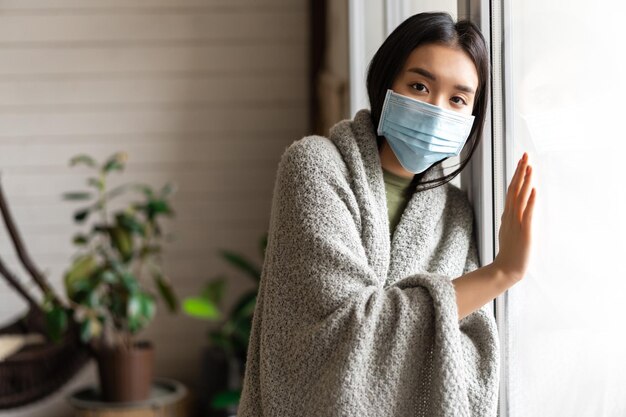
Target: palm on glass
{"x":516,"y":223}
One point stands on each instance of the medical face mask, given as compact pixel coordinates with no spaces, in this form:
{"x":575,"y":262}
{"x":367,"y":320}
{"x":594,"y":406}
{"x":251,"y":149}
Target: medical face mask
{"x":421,"y":134}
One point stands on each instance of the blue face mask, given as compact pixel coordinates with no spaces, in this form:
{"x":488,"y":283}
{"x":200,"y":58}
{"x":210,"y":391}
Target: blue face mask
{"x":421,"y":134}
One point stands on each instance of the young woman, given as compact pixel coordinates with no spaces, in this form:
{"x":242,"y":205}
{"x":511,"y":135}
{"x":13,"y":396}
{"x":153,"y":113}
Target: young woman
{"x":372,"y":301}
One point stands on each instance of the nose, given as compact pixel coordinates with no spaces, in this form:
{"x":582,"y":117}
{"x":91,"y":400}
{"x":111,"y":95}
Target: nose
{"x":437,"y":100}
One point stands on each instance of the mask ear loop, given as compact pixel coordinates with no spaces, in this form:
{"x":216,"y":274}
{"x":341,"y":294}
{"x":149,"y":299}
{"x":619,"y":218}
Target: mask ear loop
{"x":383,"y":113}
{"x":467,"y":134}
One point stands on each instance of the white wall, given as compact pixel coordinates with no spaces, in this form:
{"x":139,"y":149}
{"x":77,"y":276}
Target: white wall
{"x":206,"y":93}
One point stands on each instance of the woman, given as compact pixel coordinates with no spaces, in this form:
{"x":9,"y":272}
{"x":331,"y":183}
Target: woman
{"x":372,"y":302}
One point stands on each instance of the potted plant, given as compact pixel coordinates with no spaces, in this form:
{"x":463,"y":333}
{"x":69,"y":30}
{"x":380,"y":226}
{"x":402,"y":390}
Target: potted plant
{"x":228,"y":342}
{"x":116,"y":276}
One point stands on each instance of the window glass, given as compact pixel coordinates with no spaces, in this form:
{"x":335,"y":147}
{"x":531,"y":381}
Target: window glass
{"x":567,"y":331}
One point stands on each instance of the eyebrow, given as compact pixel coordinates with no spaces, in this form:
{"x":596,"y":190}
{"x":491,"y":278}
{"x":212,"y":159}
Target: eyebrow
{"x":431,"y":76}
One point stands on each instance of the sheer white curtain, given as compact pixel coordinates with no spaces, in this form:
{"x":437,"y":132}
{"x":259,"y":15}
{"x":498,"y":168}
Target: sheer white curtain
{"x":567,"y":317}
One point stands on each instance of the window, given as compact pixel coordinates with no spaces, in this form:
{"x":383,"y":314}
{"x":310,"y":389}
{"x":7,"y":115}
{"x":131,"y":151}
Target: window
{"x":567,"y":347}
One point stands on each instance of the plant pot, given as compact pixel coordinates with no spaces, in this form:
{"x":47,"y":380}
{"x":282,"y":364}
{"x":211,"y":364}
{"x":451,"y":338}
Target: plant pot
{"x":126,"y":374}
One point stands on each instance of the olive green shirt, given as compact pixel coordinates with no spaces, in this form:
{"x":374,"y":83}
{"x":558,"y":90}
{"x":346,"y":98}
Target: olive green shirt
{"x":396,"y":202}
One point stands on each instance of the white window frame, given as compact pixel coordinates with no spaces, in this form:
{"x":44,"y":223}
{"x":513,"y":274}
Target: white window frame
{"x":492,"y":167}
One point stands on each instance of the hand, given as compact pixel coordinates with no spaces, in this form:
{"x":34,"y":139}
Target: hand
{"x":516,"y":222}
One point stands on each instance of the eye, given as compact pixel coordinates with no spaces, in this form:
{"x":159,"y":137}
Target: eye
{"x":418,"y":86}
{"x":463,"y":102}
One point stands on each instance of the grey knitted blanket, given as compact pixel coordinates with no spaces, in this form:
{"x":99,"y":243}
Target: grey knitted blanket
{"x":351,"y":322}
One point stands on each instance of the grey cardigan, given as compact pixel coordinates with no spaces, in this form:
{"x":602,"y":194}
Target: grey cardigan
{"x":352,"y":322}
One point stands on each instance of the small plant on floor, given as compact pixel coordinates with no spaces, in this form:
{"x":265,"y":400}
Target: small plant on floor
{"x":233,"y":333}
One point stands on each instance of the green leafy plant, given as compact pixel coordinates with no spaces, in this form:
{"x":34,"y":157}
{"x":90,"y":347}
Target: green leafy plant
{"x":116,"y":275}
{"x":233,"y":332}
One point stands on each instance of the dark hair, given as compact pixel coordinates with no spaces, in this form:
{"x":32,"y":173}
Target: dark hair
{"x":389,"y":60}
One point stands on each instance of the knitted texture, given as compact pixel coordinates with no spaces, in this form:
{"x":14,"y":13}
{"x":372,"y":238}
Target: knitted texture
{"x":351,"y":322}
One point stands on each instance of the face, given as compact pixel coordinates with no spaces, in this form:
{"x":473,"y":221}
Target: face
{"x":439,"y":75}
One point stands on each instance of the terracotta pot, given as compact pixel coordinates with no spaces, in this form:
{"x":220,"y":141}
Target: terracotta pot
{"x":126,"y":374}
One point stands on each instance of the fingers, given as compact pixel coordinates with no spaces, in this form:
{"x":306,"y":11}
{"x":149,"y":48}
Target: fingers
{"x":518,"y":181}
{"x":528,"y":211}
{"x":522,"y":197}
{"x":509,"y":194}
{"x":514,"y":186}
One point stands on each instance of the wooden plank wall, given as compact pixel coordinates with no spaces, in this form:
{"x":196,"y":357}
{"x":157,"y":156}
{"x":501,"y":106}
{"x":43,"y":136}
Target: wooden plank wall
{"x":206,"y":93}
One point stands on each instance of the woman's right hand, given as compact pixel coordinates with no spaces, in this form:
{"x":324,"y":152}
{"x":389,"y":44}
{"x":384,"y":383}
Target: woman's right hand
{"x":516,"y":223}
